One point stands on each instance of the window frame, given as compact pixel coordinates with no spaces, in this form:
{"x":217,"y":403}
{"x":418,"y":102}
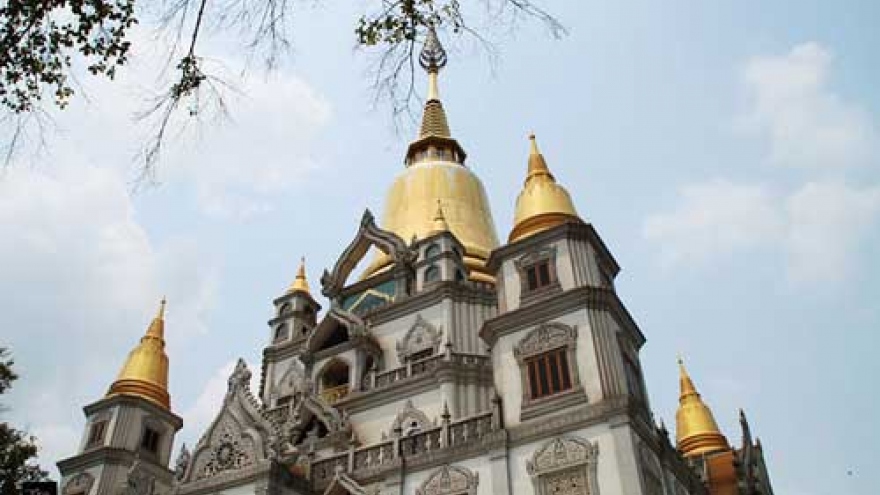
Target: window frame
{"x":151,"y":431}
{"x":549,"y":342}
{"x":530,"y":265}
{"x":97,"y":440}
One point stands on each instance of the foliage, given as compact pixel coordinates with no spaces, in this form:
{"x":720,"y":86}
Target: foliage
{"x":44,"y":44}
{"x":17,"y":449}
{"x":39,"y":39}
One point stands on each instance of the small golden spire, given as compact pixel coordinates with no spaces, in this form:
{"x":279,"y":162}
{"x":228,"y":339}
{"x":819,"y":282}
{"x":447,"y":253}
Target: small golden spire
{"x":145,"y":373}
{"x":440,"y":224}
{"x":433,"y":58}
{"x":300,"y":283}
{"x":696,"y":431}
{"x":542,"y":203}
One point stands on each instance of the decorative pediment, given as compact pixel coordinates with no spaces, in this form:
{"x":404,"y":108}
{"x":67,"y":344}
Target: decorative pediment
{"x":81,"y":483}
{"x":450,"y":480}
{"x":138,"y":481}
{"x":561,"y":453}
{"x":409,"y":419}
{"x":294,"y":381}
{"x":420,"y":337}
{"x":342,"y":484}
{"x":544,"y":338}
{"x":368,"y":235}
{"x":240,"y":436}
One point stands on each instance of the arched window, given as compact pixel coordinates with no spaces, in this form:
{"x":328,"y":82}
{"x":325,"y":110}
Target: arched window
{"x":432,"y":274}
{"x":432,"y":250}
{"x":284,"y":309}
{"x":334,"y":381}
{"x":565,"y":465}
{"x":280,"y":333}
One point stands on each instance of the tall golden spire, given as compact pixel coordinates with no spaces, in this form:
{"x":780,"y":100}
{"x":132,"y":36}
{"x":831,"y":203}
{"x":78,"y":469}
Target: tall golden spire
{"x":145,"y":372}
{"x":542,"y":203}
{"x":435,"y":170}
{"x":300,"y":283}
{"x":696,"y":431}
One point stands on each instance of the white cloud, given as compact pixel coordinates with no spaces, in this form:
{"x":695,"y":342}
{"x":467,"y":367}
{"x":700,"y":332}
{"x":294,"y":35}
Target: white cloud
{"x":805,"y":122}
{"x":828,"y":223}
{"x":819,"y":228}
{"x":715,"y":218}
{"x":81,"y":280}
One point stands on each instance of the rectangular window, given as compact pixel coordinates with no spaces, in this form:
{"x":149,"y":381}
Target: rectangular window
{"x":633,"y":379}
{"x":538,"y":275}
{"x":548,"y":373}
{"x":150,"y":440}
{"x":96,"y":433}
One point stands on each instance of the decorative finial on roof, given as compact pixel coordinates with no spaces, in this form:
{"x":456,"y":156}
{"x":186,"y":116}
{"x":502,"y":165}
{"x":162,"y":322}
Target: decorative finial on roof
{"x":145,"y":372}
{"x":440,"y":224}
{"x":300,"y":283}
{"x":696,"y":431}
{"x":433,"y":55}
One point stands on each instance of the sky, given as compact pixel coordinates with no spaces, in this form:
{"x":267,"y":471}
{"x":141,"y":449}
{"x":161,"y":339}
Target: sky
{"x":727,"y":153}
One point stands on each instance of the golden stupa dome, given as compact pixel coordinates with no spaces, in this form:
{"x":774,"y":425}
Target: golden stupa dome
{"x":145,"y":372}
{"x":542,"y":203}
{"x":435,"y":172}
{"x":696,"y":431}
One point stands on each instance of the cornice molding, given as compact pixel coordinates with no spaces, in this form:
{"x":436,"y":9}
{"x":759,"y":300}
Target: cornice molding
{"x":586,"y":297}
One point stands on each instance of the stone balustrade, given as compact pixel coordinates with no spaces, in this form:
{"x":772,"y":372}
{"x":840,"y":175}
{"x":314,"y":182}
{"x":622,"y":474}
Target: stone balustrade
{"x":366,"y":461}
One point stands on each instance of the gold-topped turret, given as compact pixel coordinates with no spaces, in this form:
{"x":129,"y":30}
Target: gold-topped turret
{"x":542,"y":203}
{"x":145,"y":372}
{"x":696,"y":432}
{"x":300,"y":283}
{"x":435,"y":171}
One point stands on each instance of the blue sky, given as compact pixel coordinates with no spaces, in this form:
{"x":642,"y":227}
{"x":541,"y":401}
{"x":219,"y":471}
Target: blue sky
{"x":727,"y":152}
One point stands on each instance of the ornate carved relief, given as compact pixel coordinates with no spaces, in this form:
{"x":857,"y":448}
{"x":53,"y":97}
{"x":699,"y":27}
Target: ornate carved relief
{"x":79,"y":484}
{"x":240,"y":436}
{"x":565,"y":466}
{"x":544,"y":338}
{"x":450,"y":480}
{"x":409,"y":420}
{"x":420,"y":337}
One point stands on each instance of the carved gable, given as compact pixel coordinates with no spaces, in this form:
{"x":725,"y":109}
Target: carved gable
{"x":238,"y":438}
{"x":368,"y":235}
{"x":544,"y":338}
{"x":565,"y":466}
{"x":450,"y":480}
{"x":420,"y":337}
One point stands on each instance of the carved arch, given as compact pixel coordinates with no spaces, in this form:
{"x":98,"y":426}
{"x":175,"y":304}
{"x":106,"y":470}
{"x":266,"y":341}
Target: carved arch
{"x":545,"y":338}
{"x":79,"y":484}
{"x":450,"y":480}
{"x":409,"y":418}
{"x":421,"y":336}
{"x":355,"y":326}
{"x":368,"y":235}
{"x":565,"y":466}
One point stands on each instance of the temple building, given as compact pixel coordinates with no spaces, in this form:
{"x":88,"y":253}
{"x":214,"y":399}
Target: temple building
{"x":455,"y":364}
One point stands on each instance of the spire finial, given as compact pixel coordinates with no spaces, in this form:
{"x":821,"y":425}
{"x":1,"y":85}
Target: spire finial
{"x":300,"y":283}
{"x":534,"y":141}
{"x":537,"y":164}
{"x":433,"y":56}
{"x":145,"y":372}
{"x":696,"y":430}
{"x":440,"y":224}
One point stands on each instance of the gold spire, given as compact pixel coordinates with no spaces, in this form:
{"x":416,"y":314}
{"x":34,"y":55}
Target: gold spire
{"x":696,"y":431}
{"x":440,"y":224}
{"x":436,"y":171}
{"x":145,"y":372}
{"x":300,"y":283}
{"x":542,"y":203}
